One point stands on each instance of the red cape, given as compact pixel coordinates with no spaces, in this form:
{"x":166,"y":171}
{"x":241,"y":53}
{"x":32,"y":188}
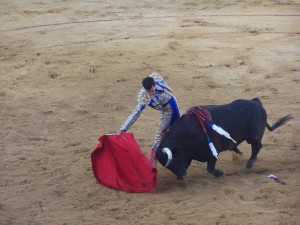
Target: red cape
{"x":118,"y":162}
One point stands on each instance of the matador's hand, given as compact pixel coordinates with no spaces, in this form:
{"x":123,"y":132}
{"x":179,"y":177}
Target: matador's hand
{"x":119,"y":132}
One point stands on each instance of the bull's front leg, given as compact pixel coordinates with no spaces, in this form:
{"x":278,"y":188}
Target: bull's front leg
{"x":211,"y":163}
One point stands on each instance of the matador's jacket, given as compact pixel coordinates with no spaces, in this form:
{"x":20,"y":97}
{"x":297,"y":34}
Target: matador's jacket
{"x":162,"y":100}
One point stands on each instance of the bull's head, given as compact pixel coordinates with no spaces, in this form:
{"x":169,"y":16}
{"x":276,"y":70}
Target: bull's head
{"x":172,"y":162}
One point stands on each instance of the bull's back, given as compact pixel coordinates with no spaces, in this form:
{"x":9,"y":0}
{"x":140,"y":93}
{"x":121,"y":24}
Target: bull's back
{"x":243,"y":119}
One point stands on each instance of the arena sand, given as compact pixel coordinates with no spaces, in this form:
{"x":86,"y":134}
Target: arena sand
{"x":71,"y":71}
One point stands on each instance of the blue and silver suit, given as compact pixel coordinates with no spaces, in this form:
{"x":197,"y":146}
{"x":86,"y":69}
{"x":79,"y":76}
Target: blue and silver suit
{"x":162,"y":100}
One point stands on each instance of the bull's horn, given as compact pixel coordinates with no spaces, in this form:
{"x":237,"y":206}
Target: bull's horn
{"x":169,"y":153}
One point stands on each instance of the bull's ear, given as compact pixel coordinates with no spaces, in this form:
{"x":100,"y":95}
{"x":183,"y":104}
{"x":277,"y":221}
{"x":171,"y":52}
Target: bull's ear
{"x":167,"y":151}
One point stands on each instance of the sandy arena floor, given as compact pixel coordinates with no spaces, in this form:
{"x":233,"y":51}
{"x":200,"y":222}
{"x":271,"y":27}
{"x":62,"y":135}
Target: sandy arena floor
{"x":71,"y":71}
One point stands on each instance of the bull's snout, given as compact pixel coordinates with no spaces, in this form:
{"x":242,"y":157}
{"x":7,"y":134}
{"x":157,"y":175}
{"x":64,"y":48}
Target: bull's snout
{"x":181,"y":175}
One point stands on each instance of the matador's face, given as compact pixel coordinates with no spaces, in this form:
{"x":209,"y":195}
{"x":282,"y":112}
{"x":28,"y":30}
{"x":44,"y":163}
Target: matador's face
{"x":151,"y":91}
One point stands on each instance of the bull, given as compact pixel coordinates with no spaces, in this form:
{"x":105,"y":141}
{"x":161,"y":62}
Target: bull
{"x":186,"y":140}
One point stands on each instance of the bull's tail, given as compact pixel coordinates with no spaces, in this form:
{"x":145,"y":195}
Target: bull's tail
{"x":279,"y":122}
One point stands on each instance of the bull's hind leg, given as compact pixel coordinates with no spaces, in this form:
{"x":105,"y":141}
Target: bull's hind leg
{"x":256,"y":146}
{"x":211,"y":163}
{"x":235,"y":153}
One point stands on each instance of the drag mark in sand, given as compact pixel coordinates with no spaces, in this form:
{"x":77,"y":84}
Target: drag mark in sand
{"x":150,"y":17}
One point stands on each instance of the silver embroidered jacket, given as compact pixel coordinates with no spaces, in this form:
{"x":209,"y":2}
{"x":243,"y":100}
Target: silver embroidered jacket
{"x":159,"y":101}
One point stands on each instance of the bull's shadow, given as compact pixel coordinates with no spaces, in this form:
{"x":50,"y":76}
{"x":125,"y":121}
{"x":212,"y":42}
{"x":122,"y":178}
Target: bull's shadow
{"x":235,"y":173}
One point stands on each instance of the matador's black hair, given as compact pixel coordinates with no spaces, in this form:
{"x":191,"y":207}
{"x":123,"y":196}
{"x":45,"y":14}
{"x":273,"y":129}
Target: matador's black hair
{"x":148,"y":82}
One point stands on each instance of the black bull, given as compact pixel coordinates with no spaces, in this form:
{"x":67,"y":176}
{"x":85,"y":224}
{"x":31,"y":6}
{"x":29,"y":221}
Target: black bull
{"x":244,"y":120}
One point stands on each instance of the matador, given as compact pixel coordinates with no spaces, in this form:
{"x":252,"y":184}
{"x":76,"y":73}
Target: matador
{"x":158,"y":95}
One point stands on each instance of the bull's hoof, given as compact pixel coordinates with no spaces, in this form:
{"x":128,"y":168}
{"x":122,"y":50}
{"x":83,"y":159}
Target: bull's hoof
{"x":249,"y":164}
{"x":218,"y":173}
{"x":179,"y":177}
